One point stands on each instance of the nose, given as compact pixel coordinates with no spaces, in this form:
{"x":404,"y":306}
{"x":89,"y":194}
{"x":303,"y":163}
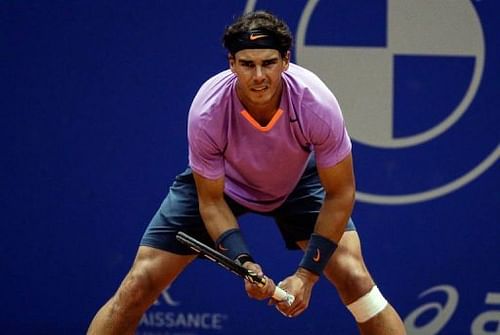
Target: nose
{"x":259,"y":73}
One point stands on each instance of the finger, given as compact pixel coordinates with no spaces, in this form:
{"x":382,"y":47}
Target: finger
{"x":297,"y":310}
{"x":284,"y":313}
{"x":282,"y":285}
{"x":284,"y":307}
{"x":259,"y":292}
{"x":253,"y":267}
{"x":272,"y":302}
{"x":283,"y":303}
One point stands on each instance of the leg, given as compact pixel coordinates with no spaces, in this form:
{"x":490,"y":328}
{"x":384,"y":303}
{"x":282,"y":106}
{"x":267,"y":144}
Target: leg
{"x":160,"y":259}
{"x":152,"y":271}
{"x":347,"y":272}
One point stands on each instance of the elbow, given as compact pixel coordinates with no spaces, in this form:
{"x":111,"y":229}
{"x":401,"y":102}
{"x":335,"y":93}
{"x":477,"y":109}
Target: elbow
{"x":352,"y":195}
{"x":345,"y":197}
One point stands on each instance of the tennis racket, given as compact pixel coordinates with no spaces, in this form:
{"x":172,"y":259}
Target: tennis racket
{"x":227,"y":263}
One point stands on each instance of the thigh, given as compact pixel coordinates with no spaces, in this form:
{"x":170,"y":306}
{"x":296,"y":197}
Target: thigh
{"x":180,"y":212}
{"x":161,"y":267}
{"x":151,"y":272}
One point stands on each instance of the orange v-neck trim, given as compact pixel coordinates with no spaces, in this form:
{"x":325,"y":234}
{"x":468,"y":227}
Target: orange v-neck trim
{"x":256,"y":125}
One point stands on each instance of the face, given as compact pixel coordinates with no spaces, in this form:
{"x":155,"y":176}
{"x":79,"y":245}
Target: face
{"x":259,"y":75}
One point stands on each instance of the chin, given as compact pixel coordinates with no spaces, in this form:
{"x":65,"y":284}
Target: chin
{"x":261,"y":100}
{"x":263,"y":96}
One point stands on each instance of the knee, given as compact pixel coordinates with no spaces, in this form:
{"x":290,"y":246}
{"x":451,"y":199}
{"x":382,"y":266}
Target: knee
{"x":137,"y":291}
{"x":350,"y":277}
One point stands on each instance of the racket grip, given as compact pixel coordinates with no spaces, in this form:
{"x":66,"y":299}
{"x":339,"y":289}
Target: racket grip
{"x":282,"y":295}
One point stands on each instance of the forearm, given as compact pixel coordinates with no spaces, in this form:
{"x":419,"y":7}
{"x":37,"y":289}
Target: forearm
{"x":217,"y":217}
{"x":334,"y":214}
{"x":219,"y":220}
{"x":224,"y":230}
{"x":328,"y":231}
{"x":340,"y":190}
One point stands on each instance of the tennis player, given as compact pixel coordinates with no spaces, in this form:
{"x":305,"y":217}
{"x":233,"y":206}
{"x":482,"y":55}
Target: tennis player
{"x":265,"y":136}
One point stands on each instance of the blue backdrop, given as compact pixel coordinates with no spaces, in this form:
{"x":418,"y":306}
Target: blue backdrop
{"x":94,"y":99}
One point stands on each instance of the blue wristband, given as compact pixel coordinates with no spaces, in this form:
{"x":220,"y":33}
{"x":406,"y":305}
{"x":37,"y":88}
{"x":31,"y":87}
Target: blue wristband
{"x":317,"y":254}
{"x":232,"y":245}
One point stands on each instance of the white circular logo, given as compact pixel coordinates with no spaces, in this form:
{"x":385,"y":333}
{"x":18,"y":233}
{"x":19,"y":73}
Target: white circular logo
{"x":363,"y":78}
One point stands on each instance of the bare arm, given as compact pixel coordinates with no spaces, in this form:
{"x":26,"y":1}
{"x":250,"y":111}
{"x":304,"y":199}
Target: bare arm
{"x":214,"y":210}
{"x":338,"y":182}
{"x":339,"y":185}
{"x":218,"y":218}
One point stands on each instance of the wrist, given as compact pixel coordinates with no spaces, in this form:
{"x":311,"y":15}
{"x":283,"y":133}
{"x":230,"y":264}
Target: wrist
{"x":317,"y":254}
{"x":231,"y":244}
{"x":243,"y":258}
{"x":306,"y":275}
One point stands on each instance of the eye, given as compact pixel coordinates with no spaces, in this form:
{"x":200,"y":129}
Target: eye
{"x":247,"y":64}
{"x":269,"y":63}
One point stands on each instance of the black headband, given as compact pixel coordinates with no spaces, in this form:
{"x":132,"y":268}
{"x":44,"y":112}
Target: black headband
{"x":254,"y":39}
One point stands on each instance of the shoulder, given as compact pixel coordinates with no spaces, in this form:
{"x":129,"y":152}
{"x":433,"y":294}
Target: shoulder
{"x":300,"y":73}
{"x":308,"y":86}
{"x":215,"y":88}
{"x":302,"y":78}
{"x":213,"y":94}
{"x":309,"y":94}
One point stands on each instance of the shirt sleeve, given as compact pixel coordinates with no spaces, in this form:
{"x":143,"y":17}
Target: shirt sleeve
{"x":327,"y":132}
{"x":205,"y":150}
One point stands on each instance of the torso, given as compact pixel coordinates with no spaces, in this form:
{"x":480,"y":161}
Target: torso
{"x":261,"y":164}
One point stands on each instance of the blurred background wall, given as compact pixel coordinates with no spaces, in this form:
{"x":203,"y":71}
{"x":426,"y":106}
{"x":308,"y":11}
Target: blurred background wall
{"x":94,"y":100}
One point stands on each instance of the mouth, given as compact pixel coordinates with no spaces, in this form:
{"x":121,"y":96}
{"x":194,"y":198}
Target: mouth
{"x":259,"y":89}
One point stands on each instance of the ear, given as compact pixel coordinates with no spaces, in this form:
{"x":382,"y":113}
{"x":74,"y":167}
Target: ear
{"x":231,"y":61}
{"x":286,"y":61}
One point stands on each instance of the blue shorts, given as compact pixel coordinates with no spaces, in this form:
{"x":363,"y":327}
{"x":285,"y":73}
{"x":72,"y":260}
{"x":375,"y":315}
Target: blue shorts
{"x":179,"y":211}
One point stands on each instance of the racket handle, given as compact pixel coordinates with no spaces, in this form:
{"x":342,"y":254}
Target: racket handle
{"x":282,"y":295}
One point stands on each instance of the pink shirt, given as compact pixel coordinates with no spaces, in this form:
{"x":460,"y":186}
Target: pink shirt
{"x":262,"y":165}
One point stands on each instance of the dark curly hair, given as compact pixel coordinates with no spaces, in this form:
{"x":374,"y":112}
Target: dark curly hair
{"x":261,"y":21}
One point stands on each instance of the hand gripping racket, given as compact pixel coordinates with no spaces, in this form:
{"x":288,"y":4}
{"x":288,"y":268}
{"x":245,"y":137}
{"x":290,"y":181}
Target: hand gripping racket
{"x":227,"y":263}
